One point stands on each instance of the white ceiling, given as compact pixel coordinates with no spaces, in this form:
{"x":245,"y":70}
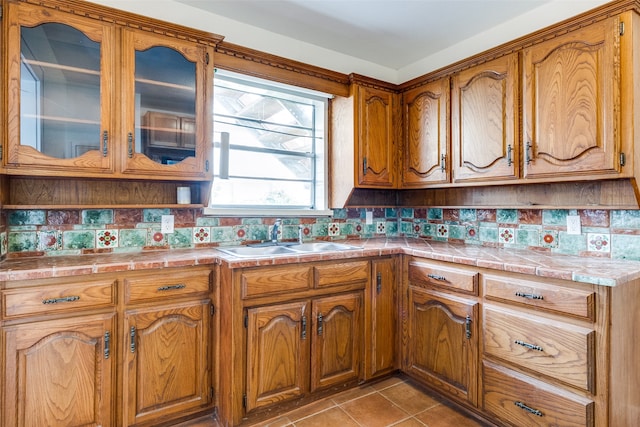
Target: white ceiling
{"x":390,"y":33}
{"x":392,"y":40}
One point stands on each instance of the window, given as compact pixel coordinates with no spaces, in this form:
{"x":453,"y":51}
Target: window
{"x":269,"y":147}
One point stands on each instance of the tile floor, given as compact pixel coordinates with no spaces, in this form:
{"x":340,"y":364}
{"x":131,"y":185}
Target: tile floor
{"x":391,"y":402}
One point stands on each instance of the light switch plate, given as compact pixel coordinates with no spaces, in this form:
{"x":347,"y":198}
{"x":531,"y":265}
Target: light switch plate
{"x":573,"y":224}
{"x":368,"y":217}
{"x":166,"y":224}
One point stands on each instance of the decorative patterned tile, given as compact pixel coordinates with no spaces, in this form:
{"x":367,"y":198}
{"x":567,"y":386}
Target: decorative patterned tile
{"x":442,"y":230}
{"x":598,"y":242}
{"x":201,"y":234}
{"x":506,"y":235}
{"x":549,"y":238}
{"x":471,"y":232}
{"x":333,"y":229}
{"x":49,"y":240}
{"x":155,"y":237}
{"x":107,"y":239}
{"x":240,"y":232}
{"x":381,"y":227}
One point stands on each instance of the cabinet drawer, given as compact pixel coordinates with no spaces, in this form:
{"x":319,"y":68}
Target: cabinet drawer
{"x":57,"y":298}
{"x":173,"y":284}
{"x":275,"y":281}
{"x":574,"y":302}
{"x":423,"y":274}
{"x":523,"y":401}
{"x":559,"y":350}
{"x":341,"y":273}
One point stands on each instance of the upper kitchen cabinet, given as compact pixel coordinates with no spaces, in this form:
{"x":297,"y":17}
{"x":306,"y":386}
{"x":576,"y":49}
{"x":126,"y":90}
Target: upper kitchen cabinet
{"x":425,"y":158}
{"x":485,"y":120}
{"x":89,"y":98}
{"x":571,"y":104}
{"x":365,"y":131}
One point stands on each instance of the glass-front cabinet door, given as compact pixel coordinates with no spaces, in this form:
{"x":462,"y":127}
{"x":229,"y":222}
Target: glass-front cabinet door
{"x":166,"y":122}
{"x":60,"y":89}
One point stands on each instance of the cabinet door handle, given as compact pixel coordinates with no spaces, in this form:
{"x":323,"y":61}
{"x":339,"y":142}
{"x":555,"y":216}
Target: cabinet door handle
{"x":443,"y":163}
{"x":467,"y":327}
{"x":364,"y":166}
{"x":105,"y":143}
{"x":130,"y":144}
{"x":529,"y":346}
{"x":528,"y":409}
{"x":319,"y":324}
{"x":107,"y":344}
{"x":528,"y":152}
{"x":437,"y":277}
{"x":63,"y":299}
{"x":303,"y":333}
{"x":528,"y":296}
{"x":379,"y":282}
{"x":132,"y":339}
{"x":509,"y":155}
{"x":172,"y":287}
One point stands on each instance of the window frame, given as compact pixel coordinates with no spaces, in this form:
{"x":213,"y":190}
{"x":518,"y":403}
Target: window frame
{"x":268,"y":210}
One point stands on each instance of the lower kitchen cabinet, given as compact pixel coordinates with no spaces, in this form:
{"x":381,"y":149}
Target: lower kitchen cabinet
{"x":166,"y":361}
{"x":60,"y":373}
{"x":81,"y":350}
{"x":442,"y":347}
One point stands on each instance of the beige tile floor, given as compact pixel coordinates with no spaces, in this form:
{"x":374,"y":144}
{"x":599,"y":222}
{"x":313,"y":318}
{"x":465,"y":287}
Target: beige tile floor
{"x":392,"y":402}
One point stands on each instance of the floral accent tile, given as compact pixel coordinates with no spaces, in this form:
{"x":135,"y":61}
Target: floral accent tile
{"x":49,"y":240}
{"x":201,"y":234}
{"x":471,"y":232}
{"x":333,"y":229}
{"x":549,"y":238}
{"x":381,"y":227}
{"x":155,"y":237}
{"x":240,"y":231}
{"x":506,"y":235}
{"x":107,"y":239}
{"x":442,"y":230}
{"x":598,"y":242}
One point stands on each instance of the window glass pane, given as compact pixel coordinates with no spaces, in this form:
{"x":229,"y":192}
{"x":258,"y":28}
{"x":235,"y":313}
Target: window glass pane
{"x":275,"y":147}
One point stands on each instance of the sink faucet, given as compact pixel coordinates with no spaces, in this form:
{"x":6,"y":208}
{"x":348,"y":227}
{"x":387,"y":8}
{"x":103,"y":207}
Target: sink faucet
{"x":300,"y":233}
{"x":274,"y":231}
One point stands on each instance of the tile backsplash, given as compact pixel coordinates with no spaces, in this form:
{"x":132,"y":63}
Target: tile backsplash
{"x":604,"y":233}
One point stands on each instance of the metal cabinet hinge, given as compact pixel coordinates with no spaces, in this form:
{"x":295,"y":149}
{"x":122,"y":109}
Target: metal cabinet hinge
{"x":246,"y":320}
{"x":107,"y":344}
{"x":212,"y":310}
{"x":206,"y":58}
{"x":467,"y":327}
{"x":622,"y":28}
{"x":623,"y":159}
{"x":211,"y":393}
{"x":132,"y":339}
{"x":244,"y":401}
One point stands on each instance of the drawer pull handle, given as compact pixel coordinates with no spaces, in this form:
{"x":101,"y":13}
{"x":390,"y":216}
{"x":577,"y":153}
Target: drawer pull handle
{"x":379,"y":283}
{"x":132,"y":339}
{"x":467,"y":327}
{"x":529,"y":296}
{"x":172,"y":287}
{"x":437,"y":277}
{"x":529,"y":409}
{"x":529,"y":346}
{"x":63,"y":299}
{"x":319,"y":324}
{"x":107,"y":344}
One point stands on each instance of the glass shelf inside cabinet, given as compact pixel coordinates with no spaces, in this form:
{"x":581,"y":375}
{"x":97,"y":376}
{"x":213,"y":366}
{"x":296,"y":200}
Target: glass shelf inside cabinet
{"x":60,"y":80}
{"x":165,"y":88}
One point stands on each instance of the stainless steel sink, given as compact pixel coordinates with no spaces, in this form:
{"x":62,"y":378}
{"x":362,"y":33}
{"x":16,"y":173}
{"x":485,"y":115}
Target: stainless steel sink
{"x":256,"y":251}
{"x":321,"y":247}
{"x":272,"y":249}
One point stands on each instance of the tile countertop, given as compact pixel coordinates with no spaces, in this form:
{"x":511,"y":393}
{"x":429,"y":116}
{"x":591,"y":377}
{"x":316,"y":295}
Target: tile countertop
{"x":600,"y":271}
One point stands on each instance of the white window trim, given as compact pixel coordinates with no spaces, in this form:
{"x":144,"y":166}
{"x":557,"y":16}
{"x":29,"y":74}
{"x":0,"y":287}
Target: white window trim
{"x":267,"y":212}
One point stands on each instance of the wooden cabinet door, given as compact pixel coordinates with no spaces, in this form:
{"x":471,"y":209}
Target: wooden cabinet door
{"x":277,"y":353}
{"x":337,"y":340}
{"x":166,"y":368}
{"x":380,"y":320}
{"x":175,"y":77}
{"x":571,"y":103}
{"x":426,"y":135}
{"x":442,"y":346}
{"x":376,"y":128}
{"x":485,"y":121}
{"x":60,"y":76}
{"x":59,"y":373}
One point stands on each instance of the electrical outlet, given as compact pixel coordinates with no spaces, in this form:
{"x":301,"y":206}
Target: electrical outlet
{"x":166,"y":224}
{"x":573,"y":224}
{"x":368,"y":217}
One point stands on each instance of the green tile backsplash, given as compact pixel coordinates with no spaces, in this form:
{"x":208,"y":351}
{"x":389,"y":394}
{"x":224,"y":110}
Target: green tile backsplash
{"x":38,"y":232}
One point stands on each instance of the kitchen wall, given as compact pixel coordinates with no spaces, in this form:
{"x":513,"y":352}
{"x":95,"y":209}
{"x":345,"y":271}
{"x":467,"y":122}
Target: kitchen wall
{"x":604,"y":233}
